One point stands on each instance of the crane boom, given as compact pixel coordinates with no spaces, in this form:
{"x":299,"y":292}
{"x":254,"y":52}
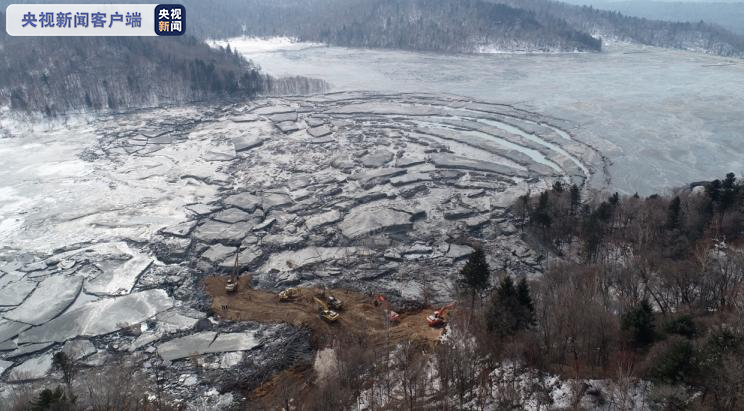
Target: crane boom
{"x":235,"y":266}
{"x":232,"y":283}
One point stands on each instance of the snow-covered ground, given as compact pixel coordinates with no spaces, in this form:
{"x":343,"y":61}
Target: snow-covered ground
{"x":663,"y":117}
{"x":51,"y":197}
{"x":252,"y":45}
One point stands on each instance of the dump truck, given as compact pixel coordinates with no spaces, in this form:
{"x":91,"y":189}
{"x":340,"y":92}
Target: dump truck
{"x":326,"y":313}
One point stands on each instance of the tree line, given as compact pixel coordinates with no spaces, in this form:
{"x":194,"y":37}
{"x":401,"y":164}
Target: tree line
{"x":730,"y":15}
{"x":448,"y":25}
{"x":453,"y":25}
{"x":59,"y":74}
{"x":697,"y":36}
{"x":444,"y":26}
{"x":654,"y":285}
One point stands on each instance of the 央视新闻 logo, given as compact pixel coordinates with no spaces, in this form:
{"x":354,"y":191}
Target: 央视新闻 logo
{"x":170,"y":20}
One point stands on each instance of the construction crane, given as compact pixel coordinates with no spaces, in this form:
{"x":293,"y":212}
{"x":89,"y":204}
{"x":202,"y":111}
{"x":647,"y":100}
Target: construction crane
{"x":437,"y":319}
{"x":232,"y":282}
{"x":326,"y":313}
{"x":390,"y":315}
{"x":290,"y":294}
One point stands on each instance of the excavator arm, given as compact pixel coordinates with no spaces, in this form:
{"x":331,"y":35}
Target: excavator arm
{"x":390,"y":315}
{"x":323,"y":305}
{"x":440,"y":312}
{"x":437,"y":319}
{"x":326,"y":313}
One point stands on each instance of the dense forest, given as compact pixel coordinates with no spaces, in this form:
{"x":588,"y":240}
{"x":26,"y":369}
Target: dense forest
{"x":59,"y":74}
{"x":729,"y":15}
{"x":698,"y":36}
{"x":649,"y":288}
{"x":448,"y":25}
{"x":451,"y":25}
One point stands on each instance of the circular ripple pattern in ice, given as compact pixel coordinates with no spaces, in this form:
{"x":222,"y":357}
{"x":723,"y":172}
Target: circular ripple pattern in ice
{"x":383,"y":193}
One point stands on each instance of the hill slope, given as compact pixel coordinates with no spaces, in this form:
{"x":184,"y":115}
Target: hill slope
{"x":59,"y":74}
{"x":452,"y":25}
{"x":448,"y":26}
{"x":609,"y":24}
{"x":727,"y":15}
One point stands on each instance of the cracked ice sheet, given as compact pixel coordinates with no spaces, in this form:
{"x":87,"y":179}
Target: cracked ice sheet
{"x":50,"y":198}
{"x":32,"y":369}
{"x":53,"y":295}
{"x":100,"y":317}
{"x":657,"y":133}
{"x":15,"y":292}
{"x":4,"y":365}
{"x":120,"y":280}
{"x":290,"y":260}
{"x":207,"y":342}
{"x":9,"y":329}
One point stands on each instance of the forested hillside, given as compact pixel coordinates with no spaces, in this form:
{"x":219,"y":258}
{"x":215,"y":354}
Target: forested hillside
{"x":608,"y":24}
{"x":649,"y":288}
{"x":729,"y":15}
{"x":59,"y":74}
{"x":450,"y":25}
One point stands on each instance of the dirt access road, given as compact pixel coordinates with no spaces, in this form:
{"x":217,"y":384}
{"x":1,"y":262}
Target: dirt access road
{"x":359,"y":316}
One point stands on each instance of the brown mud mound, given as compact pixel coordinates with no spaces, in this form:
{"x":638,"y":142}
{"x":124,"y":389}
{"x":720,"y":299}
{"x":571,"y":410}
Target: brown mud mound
{"x":359,"y":317}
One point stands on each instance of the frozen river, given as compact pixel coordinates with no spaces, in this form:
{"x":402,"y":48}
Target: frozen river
{"x":663,"y":117}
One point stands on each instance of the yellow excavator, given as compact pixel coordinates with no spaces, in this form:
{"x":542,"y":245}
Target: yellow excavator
{"x":290,"y":294}
{"x":232,"y":282}
{"x":326,"y":313}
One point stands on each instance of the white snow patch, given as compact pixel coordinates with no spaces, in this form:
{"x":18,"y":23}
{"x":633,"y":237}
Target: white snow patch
{"x":251,"y":45}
